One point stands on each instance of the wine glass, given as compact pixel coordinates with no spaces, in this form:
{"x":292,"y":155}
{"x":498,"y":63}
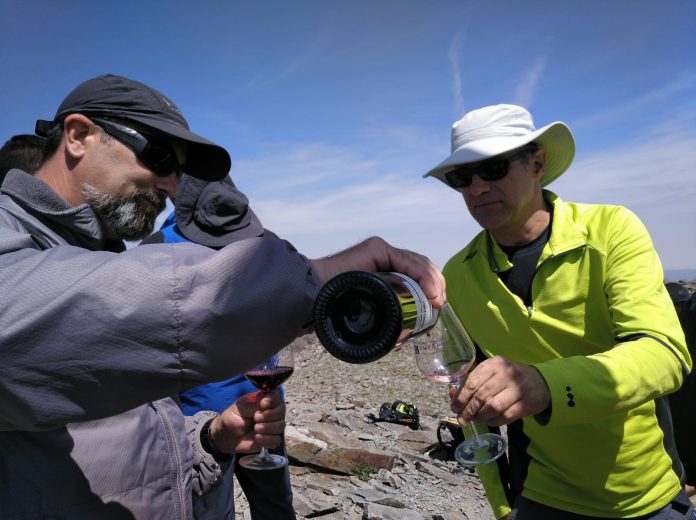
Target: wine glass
{"x":445,"y":353}
{"x":268,"y":376}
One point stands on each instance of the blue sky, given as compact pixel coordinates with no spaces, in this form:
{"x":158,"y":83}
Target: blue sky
{"x":332,"y":111}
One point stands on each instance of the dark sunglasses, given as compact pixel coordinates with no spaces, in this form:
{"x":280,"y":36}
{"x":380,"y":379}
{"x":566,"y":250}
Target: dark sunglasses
{"x":488,"y":170}
{"x":156,"y":154}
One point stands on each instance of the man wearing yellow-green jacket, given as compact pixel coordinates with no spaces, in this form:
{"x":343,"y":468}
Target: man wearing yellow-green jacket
{"x":567,"y":305}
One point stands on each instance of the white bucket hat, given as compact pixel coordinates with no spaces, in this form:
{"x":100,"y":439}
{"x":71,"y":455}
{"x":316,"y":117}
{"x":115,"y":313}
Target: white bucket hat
{"x":497,"y":129}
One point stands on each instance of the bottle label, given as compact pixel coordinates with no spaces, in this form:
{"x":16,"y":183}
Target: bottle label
{"x":425,"y":315}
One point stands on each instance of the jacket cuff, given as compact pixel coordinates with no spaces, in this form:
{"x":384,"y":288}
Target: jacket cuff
{"x":207,"y":471}
{"x":208,"y":443}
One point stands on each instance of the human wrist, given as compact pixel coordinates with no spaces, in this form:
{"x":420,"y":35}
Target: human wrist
{"x":544,"y":416}
{"x":208,"y":442}
{"x":321,"y":270}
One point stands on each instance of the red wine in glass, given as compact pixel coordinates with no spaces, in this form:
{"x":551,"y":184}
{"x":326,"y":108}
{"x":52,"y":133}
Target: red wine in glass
{"x":269,"y":379}
{"x":268,"y":376}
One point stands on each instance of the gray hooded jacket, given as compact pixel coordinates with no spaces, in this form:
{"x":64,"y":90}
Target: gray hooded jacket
{"x":93,"y":338}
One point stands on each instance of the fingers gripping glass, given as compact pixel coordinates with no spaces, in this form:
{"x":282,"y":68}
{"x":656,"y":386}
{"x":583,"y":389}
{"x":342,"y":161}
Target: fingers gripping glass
{"x":445,"y":354}
{"x":156,"y":155}
{"x":488,"y":170}
{"x":268,"y":376}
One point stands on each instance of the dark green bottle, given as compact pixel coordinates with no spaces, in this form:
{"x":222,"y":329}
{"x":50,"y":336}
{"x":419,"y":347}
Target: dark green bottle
{"x":360,"y":316}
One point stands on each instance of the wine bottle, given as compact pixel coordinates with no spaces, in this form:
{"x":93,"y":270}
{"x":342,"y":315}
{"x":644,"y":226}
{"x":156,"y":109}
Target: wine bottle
{"x":359,"y":316}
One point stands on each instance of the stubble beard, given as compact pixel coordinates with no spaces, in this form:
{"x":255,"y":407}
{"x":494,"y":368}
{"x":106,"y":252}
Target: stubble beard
{"x":130,"y":217}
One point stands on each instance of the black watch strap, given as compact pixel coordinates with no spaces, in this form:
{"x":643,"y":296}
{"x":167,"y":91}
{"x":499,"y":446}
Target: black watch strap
{"x":209,"y":445}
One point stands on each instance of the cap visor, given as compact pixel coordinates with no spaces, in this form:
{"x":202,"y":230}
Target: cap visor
{"x":204,"y":159}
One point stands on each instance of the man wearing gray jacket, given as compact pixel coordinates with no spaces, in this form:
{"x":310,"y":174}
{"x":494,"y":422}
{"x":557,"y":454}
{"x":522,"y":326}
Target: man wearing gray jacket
{"x":93,"y":337}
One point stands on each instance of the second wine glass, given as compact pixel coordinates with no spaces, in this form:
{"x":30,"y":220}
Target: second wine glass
{"x":445,"y":353}
{"x":268,"y":376}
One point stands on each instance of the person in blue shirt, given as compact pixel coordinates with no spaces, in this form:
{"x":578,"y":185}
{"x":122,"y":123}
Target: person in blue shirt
{"x":215,"y":214}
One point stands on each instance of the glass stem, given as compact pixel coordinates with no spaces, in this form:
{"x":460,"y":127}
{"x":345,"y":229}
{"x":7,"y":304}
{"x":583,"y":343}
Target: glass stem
{"x":472,"y":425}
{"x":263,"y":454}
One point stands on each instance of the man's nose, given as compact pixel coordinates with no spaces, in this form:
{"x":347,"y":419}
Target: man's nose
{"x":478,"y":185}
{"x":168,"y":185}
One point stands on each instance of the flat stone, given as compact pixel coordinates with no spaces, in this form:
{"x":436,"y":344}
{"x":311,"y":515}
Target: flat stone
{"x":300,"y":446}
{"x":391,"y":502}
{"x":380,"y":512}
{"x":362,"y":436}
{"x":414,"y":457}
{"x":387,"y":477}
{"x":350,"y":460}
{"x":320,"y":501}
{"x":393,"y":427}
{"x":443,"y":475}
{"x":332,"y":434}
{"x":312,"y":417}
{"x":298,"y":471}
{"x":332,"y":485}
{"x":340,"y":515}
{"x":357,"y":483}
{"x":329,"y":418}
{"x":419,"y":441}
{"x":362,"y":496}
{"x":300,"y":504}
{"x":356,"y":422}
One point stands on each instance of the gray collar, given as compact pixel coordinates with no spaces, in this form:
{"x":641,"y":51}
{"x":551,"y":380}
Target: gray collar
{"x":78,"y":225}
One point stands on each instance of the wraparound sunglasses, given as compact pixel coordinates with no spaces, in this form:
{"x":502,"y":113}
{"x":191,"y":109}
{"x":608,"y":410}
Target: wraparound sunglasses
{"x":156,"y":154}
{"x":488,"y":170}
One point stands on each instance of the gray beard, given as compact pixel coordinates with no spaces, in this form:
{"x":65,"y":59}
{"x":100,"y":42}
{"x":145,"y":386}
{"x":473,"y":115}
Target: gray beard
{"x":126,"y":218}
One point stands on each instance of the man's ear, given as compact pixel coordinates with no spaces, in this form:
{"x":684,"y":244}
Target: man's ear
{"x":538,"y":162}
{"x":77,"y":130}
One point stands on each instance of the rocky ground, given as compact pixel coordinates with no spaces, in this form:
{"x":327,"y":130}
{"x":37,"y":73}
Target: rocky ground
{"x":344,"y":467}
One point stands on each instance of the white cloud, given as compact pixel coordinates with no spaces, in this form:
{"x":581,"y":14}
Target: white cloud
{"x":655,"y":176}
{"x":454,"y":57}
{"x":527,"y":87}
{"x":661,"y":97}
{"x":418,"y":214}
{"x":306,"y":165}
{"x":281,"y":67}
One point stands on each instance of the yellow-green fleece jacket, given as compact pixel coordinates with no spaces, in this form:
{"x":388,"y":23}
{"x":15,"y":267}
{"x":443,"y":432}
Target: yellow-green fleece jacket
{"x":602,"y":331}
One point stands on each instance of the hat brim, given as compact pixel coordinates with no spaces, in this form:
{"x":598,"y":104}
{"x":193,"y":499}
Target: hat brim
{"x":237,"y":221}
{"x":556,"y":138}
{"x":195,"y":233}
{"x":204,"y":159}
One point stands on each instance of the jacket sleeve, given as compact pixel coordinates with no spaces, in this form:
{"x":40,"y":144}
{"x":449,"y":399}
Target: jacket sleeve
{"x":207,"y":472}
{"x":649,"y":358}
{"x":89,"y":334}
